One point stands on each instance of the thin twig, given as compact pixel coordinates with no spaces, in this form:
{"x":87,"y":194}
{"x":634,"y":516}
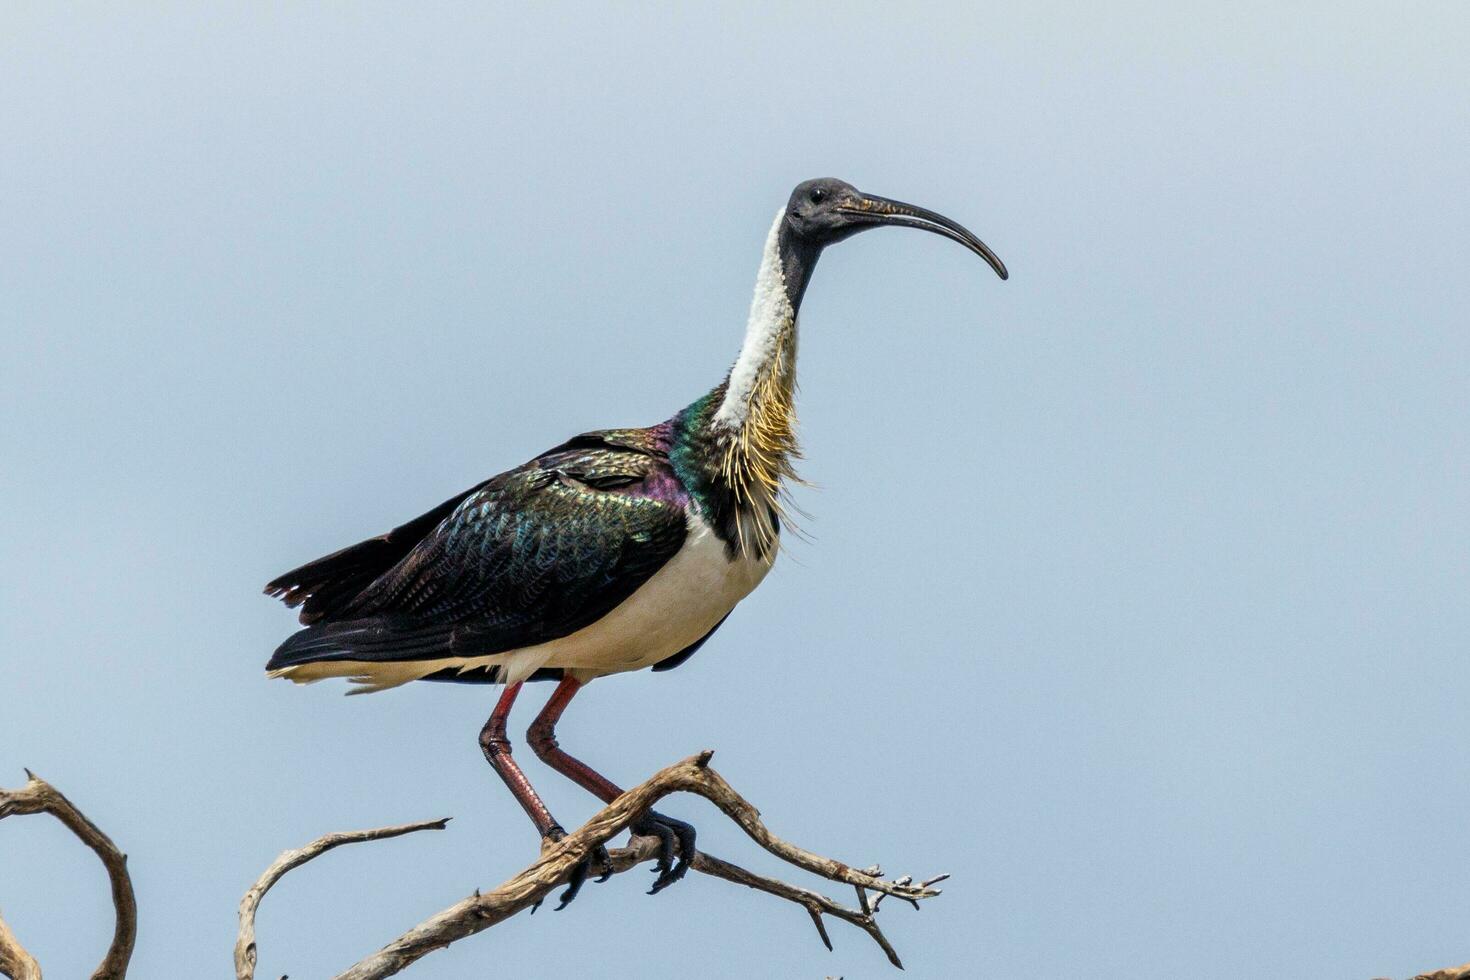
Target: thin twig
{"x":39,"y":796}
{"x":484,"y":910}
{"x":15,"y":962}
{"x":245,"y":949}
{"x":481,"y":911}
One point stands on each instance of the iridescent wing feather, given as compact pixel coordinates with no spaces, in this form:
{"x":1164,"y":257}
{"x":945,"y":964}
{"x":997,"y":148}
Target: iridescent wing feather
{"x":531,"y":555}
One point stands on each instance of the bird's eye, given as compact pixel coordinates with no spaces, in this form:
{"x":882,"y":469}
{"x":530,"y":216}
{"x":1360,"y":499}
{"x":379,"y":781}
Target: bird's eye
{"x":818,"y":195}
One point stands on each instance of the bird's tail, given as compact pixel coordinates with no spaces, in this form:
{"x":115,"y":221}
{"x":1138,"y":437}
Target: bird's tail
{"x":372,"y":654}
{"x":375,"y":656}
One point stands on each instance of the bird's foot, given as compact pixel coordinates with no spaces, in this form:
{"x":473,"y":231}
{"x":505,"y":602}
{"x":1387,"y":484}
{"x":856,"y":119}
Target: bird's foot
{"x":669,"y":832}
{"x":596,"y":857}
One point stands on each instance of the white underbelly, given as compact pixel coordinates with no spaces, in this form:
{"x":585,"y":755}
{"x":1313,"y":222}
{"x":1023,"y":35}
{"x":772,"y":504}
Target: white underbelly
{"x":682,"y":602}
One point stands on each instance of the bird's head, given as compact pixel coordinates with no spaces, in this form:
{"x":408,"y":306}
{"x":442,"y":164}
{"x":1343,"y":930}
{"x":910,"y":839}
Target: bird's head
{"x":825,"y":211}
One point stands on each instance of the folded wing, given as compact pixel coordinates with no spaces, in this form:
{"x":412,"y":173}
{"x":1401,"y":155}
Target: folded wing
{"x":531,"y":555}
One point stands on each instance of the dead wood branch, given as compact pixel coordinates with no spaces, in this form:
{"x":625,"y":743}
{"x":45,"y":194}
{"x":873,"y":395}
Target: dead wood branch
{"x":526,"y":889}
{"x":1448,"y":973}
{"x":15,"y":962}
{"x":39,"y":796}
{"x":245,"y":950}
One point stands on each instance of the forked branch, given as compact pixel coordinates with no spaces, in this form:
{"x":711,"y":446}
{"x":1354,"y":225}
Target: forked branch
{"x":527,"y":889}
{"x":39,"y":796}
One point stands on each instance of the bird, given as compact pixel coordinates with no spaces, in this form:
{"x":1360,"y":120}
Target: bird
{"x":615,"y":551}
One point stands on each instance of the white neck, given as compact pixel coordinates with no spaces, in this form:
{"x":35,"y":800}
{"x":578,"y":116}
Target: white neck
{"x":771,"y":315}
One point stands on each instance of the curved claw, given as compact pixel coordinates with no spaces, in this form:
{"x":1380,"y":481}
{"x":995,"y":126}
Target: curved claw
{"x":604,"y":859}
{"x":597,"y":855}
{"x":669,"y":832}
{"x":578,"y":877}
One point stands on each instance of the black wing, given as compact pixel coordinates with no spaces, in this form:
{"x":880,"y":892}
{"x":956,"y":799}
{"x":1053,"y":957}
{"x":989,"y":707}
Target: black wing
{"x":528,"y":556}
{"x":324,"y":587}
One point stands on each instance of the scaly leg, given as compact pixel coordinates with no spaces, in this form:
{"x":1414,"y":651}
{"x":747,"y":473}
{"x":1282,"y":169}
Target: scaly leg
{"x":496,"y":746}
{"x":541,"y":736}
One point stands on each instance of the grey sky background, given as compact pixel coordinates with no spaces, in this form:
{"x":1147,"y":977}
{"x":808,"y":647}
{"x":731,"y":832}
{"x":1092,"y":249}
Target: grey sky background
{"x":1137,"y":596}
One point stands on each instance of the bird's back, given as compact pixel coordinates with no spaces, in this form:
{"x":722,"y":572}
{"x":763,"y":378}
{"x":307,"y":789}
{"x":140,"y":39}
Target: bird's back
{"x":530,"y":555}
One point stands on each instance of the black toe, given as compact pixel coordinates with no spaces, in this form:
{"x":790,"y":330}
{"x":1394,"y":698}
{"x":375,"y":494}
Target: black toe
{"x":596,"y":856}
{"x":673,"y":836}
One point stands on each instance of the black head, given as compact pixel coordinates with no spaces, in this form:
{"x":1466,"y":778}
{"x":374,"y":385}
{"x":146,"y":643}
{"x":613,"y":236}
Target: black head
{"x":824,"y":211}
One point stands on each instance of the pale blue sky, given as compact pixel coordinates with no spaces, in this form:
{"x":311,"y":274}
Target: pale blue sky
{"x":1137,"y":597}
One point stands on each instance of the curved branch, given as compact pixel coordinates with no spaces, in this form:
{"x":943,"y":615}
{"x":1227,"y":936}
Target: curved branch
{"x":15,"y":962}
{"x":39,"y":796}
{"x":245,"y":949}
{"x":526,"y":889}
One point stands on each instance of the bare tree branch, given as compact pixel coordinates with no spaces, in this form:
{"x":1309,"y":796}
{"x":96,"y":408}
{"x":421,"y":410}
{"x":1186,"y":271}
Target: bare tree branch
{"x":15,"y":962}
{"x":39,"y":796}
{"x":526,"y":889}
{"x":245,"y":950}
{"x":1448,"y":973}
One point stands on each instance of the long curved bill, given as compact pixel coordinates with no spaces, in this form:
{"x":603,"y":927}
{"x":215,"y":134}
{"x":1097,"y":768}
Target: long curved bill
{"x":882,"y":211}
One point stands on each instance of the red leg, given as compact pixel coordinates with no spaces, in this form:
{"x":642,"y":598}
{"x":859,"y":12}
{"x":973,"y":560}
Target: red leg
{"x":496,"y":746}
{"x":671,"y":833}
{"x":541,"y":736}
